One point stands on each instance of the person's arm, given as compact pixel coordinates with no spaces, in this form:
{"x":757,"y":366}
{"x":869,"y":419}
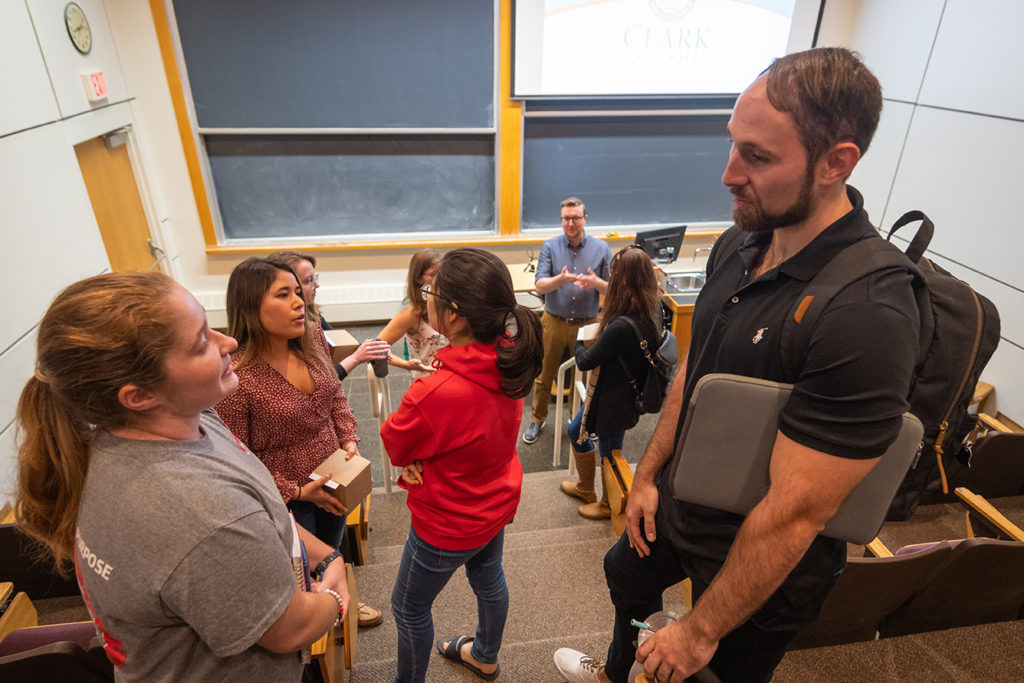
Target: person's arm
{"x":614,"y":340}
{"x":309,"y":615}
{"x":807,"y":487}
{"x":544,"y":285}
{"x":407,"y":435}
{"x":643,"y":496}
{"x":369,"y":350}
{"x":406,"y":321}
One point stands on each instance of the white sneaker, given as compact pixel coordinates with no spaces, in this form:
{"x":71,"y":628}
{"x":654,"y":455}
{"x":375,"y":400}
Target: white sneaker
{"x":577,"y":667}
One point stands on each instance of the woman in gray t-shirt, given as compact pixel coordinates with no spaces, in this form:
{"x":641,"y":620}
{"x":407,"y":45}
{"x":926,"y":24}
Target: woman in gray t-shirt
{"x":181,"y":543}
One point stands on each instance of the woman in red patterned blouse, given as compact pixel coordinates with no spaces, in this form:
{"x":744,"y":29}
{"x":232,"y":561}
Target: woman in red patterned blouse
{"x":290,"y":409}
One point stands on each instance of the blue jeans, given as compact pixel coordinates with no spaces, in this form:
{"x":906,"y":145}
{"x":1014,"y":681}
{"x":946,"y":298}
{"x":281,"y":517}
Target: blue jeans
{"x":606,"y":441}
{"x":328,"y":527}
{"x":424,"y":571}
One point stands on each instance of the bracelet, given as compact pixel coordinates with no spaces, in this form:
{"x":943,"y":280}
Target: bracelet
{"x":298,"y":496}
{"x":341,"y":607}
{"x":321,"y":566}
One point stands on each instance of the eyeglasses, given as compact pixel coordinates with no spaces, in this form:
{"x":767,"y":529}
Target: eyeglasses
{"x":308,"y":282}
{"x":428,"y":290}
{"x":573,"y":219}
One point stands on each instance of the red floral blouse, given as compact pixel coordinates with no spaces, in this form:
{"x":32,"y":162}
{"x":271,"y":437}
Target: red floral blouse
{"x":292,"y":432}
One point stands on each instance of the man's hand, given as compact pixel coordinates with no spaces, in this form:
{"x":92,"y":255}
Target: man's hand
{"x":565,"y":277}
{"x":640,"y":507}
{"x":314,"y":493}
{"x":675,"y":652}
{"x":413,"y":474}
{"x":589,"y":281}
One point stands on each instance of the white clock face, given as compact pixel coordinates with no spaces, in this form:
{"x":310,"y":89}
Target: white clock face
{"x":78,"y":28}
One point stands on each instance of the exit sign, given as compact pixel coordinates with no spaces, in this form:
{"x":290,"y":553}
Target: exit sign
{"x":95,"y":86}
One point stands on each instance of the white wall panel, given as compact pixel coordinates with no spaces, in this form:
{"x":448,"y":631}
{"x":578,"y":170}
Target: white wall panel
{"x":65,"y":63}
{"x":16,"y":366}
{"x":1008,"y":301}
{"x":27,"y":96}
{"x":894,"y":38}
{"x":961,"y":170}
{"x":876,"y":170}
{"x":1006,"y":373}
{"x":8,"y":465}
{"x":976,"y":63}
{"x":50,"y":235}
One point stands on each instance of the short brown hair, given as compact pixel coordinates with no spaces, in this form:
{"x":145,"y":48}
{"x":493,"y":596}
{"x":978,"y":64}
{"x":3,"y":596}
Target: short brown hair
{"x":575,"y":201}
{"x":831,"y":96}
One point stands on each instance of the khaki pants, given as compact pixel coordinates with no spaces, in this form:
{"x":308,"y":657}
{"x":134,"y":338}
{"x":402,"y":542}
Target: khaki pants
{"x":558,"y":336}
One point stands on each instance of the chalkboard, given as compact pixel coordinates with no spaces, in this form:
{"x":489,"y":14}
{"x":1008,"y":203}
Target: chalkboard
{"x":323,"y":186}
{"x":628,"y":170}
{"x":339,"y":63}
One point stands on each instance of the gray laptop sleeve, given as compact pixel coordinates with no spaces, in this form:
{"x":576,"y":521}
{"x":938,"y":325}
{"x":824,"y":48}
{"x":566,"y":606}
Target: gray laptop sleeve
{"x":726,"y":445}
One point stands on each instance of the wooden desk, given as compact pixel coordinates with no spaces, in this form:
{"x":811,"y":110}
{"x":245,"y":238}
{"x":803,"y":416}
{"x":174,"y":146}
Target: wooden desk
{"x":681,"y":307}
{"x":522,"y":279}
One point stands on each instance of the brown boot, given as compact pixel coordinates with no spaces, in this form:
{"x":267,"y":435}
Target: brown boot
{"x":598,"y":510}
{"x":584,"y":489}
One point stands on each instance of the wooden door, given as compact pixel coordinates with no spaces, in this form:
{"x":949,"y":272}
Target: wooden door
{"x":116,"y":203}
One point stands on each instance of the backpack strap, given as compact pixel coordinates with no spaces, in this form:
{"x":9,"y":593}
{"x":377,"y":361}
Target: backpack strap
{"x":921,"y":239}
{"x":852,"y":263}
{"x":643,"y":349}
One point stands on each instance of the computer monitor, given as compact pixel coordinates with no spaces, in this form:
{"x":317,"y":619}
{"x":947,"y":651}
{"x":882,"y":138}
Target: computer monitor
{"x":661,"y":244}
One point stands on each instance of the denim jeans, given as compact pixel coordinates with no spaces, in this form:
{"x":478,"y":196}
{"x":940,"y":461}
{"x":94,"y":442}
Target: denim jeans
{"x":328,"y":527}
{"x":747,"y":654}
{"x":424,"y":571}
{"x":606,"y":441}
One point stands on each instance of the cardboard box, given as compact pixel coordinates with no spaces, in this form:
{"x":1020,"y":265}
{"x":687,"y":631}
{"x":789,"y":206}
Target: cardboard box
{"x":350,"y":482}
{"x":342,"y":344}
{"x":588,"y":333}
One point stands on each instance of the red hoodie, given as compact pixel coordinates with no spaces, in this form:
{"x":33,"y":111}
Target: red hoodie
{"x":464,"y":430}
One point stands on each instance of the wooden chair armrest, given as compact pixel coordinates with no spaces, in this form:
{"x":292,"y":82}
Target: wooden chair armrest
{"x":993,"y":423}
{"x":981,"y":506}
{"x":877,"y":548}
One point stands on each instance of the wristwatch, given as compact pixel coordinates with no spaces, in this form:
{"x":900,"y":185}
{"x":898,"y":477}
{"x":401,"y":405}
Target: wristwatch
{"x":321,"y":567}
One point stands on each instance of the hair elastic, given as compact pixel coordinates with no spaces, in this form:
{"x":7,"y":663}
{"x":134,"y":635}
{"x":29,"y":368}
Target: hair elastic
{"x":38,"y":374}
{"x":510,"y":324}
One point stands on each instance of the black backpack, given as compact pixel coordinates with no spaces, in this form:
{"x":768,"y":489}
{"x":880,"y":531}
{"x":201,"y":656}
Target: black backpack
{"x":659,"y":374}
{"x":959,"y":333}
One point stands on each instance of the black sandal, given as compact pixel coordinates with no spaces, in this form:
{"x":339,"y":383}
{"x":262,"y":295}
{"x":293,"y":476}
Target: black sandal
{"x":454,"y":653}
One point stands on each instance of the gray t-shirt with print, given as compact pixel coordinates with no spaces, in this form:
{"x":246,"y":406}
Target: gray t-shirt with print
{"x":183,"y":553}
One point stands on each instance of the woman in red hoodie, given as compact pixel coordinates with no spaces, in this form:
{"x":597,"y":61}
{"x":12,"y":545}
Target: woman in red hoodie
{"x":454,"y":436}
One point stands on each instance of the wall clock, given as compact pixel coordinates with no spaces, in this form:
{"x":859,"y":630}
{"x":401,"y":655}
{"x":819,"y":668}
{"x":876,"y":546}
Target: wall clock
{"x":78,"y":28}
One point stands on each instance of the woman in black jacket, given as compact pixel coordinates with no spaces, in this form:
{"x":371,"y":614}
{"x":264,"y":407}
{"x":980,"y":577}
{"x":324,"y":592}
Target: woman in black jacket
{"x":616,"y":353}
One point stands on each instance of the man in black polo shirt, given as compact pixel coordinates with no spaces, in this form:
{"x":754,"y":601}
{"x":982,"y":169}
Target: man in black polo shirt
{"x":798,"y":132}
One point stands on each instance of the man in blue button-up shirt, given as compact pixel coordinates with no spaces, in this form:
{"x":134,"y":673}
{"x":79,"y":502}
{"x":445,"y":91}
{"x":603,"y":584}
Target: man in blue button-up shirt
{"x":572,"y":274}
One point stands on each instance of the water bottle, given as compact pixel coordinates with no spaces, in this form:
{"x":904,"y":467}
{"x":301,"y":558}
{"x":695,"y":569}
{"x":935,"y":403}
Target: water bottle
{"x":380,"y":365}
{"x":656,"y":621}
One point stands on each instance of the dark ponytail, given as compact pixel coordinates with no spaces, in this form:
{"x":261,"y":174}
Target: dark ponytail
{"x":476,"y":284}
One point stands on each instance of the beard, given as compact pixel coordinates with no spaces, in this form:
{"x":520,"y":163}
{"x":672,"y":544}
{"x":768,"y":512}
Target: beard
{"x":754,"y":218}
